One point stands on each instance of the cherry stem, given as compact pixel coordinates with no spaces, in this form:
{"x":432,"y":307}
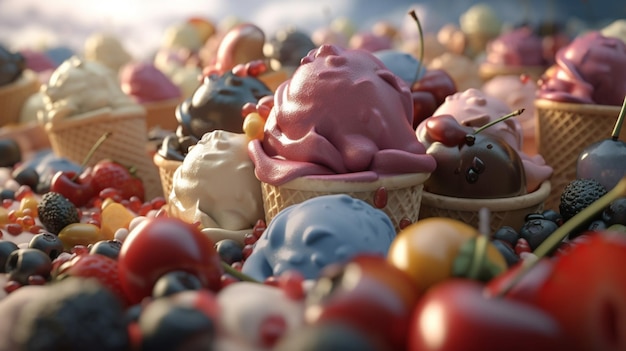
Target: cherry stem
{"x":480,"y":249}
{"x":619,"y":122}
{"x":557,"y":237}
{"x":93,"y":149}
{"x":421,"y":34}
{"x":505,"y":117}
{"x":237,"y":274}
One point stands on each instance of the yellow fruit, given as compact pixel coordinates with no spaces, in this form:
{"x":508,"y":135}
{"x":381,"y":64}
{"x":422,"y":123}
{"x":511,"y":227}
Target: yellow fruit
{"x":253,"y":126}
{"x":29,"y":202}
{"x":4,"y":216}
{"x":426,"y":250}
{"x":79,"y":234}
{"x":114,"y":217}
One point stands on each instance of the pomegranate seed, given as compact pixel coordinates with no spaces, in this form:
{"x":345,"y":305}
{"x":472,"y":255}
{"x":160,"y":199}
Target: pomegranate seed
{"x":11,"y":286}
{"x":12,"y":215}
{"x":14,"y":228}
{"x":27,"y":212}
{"x":28,"y":221}
{"x":249,"y":239}
{"x":158,"y":202}
{"x":271,"y":281}
{"x":380,"y":197}
{"x":237,"y":265}
{"x":247,"y":251}
{"x":404,"y":222}
{"x":135,"y":204}
{"x":228,"y":279}
{"x":144,"y":209}
{"x":80,"y":250}
{"x":6,"y":203}
{"x":36,"y":280}
{"x":522,"y":246}
{"x":35,"y":229}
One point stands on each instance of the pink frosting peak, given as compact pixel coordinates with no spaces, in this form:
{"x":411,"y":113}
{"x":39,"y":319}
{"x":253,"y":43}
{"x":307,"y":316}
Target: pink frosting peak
{"x":342,"y":115}
{"x":590,"y":70}
{"x":146,"y":83}
{"x":519,"y":47}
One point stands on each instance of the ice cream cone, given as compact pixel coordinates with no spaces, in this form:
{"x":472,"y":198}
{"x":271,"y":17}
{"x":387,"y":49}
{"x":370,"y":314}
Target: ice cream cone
{"x":563,"y":131}
{"x":403,"y":192}
{"x":166,"y":172}
{"x":488,"y":71}
{"x":162,"y":114}
{"x":504,"y":211}
{"x":14,"y":95}
{"x":73,"y":137}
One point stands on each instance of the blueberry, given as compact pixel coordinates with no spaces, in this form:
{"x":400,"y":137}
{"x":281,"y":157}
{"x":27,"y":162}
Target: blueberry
{"x":23,"y":263}
{"x":597,"y":225}
{"x":109,"y":248}
{"x":48,"y":243}
{"x":615,"y":213}
{"x":26,"y":176}
{"x":553,"y":216}
{"x":536,"y":231}
{"x":174,"y":282}
{"x":531,"y":216}
{"x":7,"y":194}
{"x":507,"y":252}
{"x":506,"y":234}
{"x":6,"y":248}
{"x":230,"y":251}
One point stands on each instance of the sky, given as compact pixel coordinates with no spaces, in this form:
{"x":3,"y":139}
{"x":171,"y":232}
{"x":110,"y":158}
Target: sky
{"x":140,"y":24}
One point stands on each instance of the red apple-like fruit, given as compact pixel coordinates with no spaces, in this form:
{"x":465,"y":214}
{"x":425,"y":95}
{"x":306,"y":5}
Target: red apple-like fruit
{"x":368,"y":293}
{"x":457,"y":315}
{"x":78,"y":190}
{"x":160,"y":245}
{"x":586,"y":292}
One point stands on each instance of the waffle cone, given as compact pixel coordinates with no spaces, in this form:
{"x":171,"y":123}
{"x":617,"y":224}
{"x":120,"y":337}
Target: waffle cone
{"x":504,"y":212}
{"x":14,"y":95}
{"x":73,"y":137}
{"x":162,"y":114}
{"x":488,"y":71}
{"x":166,"y":172}
{"x":404,"y":194}
{"x":563,"y":131}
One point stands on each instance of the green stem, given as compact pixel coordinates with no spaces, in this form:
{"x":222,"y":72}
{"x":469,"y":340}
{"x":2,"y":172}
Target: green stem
{"x":93,"y":149}
{"x":512,"y":114}
{"x":619,"y":122}
{"x":421,"y":34}
{"x":237,"y":274}
{"x":555,"y":238}
{"x":481,"y":243}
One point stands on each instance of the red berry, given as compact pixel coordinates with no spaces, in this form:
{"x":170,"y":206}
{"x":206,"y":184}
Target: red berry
{"x":247,"y":251}
{"x":6,"y":203}
{"x":11,"y":286}
{"x":36,"y":280}
{"x":22,"y":192}
{"x":249,"y":239}
{"x":158,"y":202}
{"x":14,"y":228}
{"x":522,"y":246}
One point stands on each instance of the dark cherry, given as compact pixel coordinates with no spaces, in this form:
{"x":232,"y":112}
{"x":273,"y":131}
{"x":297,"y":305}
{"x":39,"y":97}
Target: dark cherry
{"x":507,"y":234}
{"x":507,"y":251}
{"x":174,"y":282}
{"x":10,"y":152}
{"x":109,"y":248}
{"x":6,"y":248}
{"x":615,"y":213}
{"x":48,"y":243}
{"x":23,"y":263}
{"x":446,"y":130}
{"x":289,"y":46}
{"x":26,"y":176}
{"x":536,"y":231}
{"x":230,"y":251}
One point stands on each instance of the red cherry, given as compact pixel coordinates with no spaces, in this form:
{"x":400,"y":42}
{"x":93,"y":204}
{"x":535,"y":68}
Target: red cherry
{"x":446,"y":130}
{"x":160,"y":245}
{"x":457,"y":315}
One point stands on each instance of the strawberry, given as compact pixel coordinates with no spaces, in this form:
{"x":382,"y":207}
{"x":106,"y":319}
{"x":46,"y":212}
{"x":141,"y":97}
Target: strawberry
{"x":96,"y":266}
{"x":110,"y":174}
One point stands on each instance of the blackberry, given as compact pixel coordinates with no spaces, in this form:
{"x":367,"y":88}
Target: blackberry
{"x":579,"y":194}
{"x":56,"y":212}
{"x":76,"y":314}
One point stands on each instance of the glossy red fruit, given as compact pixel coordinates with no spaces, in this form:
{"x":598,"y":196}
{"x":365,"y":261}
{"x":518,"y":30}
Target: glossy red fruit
{"x":368,"y":293}
{"x":457,"y":315}
{"x":160,"y":245}
{"x":526,"y":288}
{"x":437,"y":82}
{"x":587,"y":292}
{"x":110,"y":174}
{"x":446,"y":130}
{"x":78,"y":191}
{"x":100,"y":267}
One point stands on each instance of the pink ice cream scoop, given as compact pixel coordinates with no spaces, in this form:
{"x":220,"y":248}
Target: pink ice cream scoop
{"x":590,"y":70}
{"x":473,"y":108}
{"x":519,"y":47}
{"x":343,"y":115}
{"x":146,"y":83}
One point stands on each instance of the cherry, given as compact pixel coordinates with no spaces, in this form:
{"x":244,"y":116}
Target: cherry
{"x":446,"y":130}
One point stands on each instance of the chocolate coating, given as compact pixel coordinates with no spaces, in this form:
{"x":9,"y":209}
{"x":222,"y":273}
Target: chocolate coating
{"x":289,"y":46}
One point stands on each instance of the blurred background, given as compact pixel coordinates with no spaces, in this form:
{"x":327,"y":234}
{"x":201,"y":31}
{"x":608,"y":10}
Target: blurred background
{"x":140,"y":24}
